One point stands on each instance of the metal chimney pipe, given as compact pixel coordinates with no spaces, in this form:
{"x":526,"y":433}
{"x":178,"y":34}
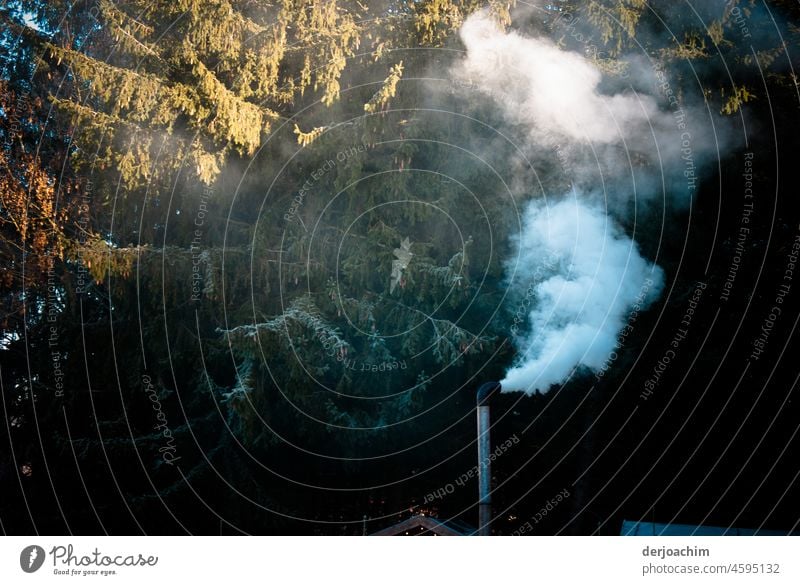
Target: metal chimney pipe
{"x":485,"y":394}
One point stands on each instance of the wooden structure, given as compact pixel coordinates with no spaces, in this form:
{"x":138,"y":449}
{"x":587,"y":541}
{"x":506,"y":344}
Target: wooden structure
{"x":420,"y":525}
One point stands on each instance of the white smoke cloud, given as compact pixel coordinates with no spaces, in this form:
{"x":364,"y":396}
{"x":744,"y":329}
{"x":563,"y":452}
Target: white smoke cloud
{"x":587,"y":274}
{"x":548,"y":89}
{"x":616,"y":144}
{"x":580,"y":304}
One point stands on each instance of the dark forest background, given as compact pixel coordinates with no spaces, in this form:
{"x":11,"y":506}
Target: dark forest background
{"x":200,"y":206}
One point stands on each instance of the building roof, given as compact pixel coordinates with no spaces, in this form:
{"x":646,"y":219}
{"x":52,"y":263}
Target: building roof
{"x":421,"y":525}
{"x":633,"y":528}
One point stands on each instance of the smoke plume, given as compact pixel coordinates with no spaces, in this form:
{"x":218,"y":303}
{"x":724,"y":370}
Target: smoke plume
{"x":548,"y":89}
{"x":585,"y":276}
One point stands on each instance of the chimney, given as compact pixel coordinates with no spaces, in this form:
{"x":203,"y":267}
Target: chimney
{"x":485,"y":394}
